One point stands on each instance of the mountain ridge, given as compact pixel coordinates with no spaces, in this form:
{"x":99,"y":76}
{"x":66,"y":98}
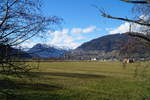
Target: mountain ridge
{"x":107,"y":47}
{"x":46,"y":51}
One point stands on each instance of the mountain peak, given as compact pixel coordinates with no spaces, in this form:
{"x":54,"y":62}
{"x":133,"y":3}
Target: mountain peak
{"x":46,"y":51}
{"x":105,"y":43}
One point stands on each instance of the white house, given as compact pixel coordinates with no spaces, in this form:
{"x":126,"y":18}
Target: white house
{"x":93,"y":59}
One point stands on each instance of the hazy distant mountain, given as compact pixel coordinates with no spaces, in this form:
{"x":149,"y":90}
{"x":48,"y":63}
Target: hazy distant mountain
{"x":46,"y":51}
{"x":14,"y":52}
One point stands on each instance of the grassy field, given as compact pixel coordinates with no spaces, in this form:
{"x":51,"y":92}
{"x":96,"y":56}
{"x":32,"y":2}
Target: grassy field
{"x":81,"y":81}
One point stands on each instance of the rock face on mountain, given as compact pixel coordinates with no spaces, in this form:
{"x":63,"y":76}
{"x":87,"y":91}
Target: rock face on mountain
{"x":107,"y":47}
{"x":46,"y":51}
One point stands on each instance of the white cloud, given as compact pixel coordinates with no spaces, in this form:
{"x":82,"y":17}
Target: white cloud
{"x":121,"y":29}
{"x":125,"y":27}
{"x":69,"y":37}
{"x":59,"y":36}
{"x":62,"y":38}
{"x":89,"y":29}
{"x":144,"y":17}
{"x":26,"y":45}
{"x":83,"y":30}
{"x":76,"y":30}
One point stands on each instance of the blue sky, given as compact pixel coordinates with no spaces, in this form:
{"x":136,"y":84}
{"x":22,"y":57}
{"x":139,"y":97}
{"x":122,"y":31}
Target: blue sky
{"x":82,"y":22}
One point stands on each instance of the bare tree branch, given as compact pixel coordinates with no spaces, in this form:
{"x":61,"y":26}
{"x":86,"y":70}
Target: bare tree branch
{"x":135,"y":1}
{"x":140,"y":35}
{"x":125,"y":19}
{"x":20,"y":20}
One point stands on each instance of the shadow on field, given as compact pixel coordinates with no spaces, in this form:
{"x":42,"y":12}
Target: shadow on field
{"x":9,"y":84}
{"x":72,"y":75}
{"x":8,"y":90}
{"x":37,"y":91}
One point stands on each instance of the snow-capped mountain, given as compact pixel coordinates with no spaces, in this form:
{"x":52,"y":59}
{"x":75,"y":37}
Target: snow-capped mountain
{"x":47,"y":51}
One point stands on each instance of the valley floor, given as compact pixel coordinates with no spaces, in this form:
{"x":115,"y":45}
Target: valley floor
{"x":81,"y":81}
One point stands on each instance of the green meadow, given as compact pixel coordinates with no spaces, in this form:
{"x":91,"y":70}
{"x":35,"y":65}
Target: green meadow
{"x":80,"y":81}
